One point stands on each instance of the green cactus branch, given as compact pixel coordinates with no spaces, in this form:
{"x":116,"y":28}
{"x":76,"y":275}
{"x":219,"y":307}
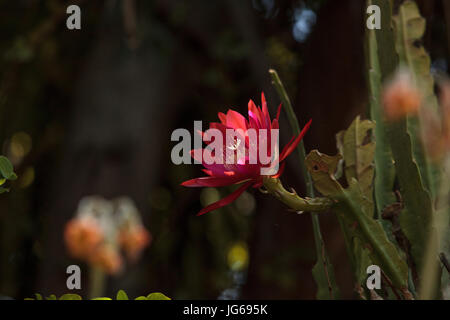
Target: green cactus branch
{"x":294,"y":201}
{"x":417,"y":178}
{"x":293,"y":122}
{"x":384,"y":164}
{"x":323,"y":270}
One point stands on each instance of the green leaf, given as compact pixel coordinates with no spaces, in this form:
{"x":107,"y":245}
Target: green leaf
{"x":3,"y":190}
{"x":358,"y":148}
{"x":51,"y":297}
{"x":352,"y":207}
{"x":157,"y":296}
{"x":121,"y":295}
{"x":70,"y":296}
{"x":322,"y":168}
{"x":38,"y":297}
{"x":141,"y":298}
{"x":6,"y":169}
{"x":101,"y":298}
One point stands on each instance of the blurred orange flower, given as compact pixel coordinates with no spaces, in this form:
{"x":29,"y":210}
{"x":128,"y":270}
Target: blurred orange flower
{"x":107,"y":258}
{"x":401,"y":97}
{"x":436,"y":130}
{"x":100,"y":229}
{"x":133,"y":240}
{"x":82,"y":236}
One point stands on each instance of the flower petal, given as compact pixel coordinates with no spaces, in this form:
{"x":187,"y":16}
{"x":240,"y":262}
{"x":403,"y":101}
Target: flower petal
{"x":197,"y":154}
{"x":291,"y":147}
{"x":222,"y":117}
{"x":236,"y":120}
{"x":280,"y":171}
{"x":227,"y":200}
{"x":265,"y":111}
{"x":217,"y":169}
{"x":255,"y":113}
{"x":258,"y":185}
{"x":275,"y":124}
{"x":218,"y":126}
{"x":278,"y":112}
{"x":211,"y":182}
{"x":208,"y":172}
{"x":252,"y":121}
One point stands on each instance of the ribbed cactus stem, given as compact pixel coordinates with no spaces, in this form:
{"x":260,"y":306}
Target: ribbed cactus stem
{"x":293,"y":200}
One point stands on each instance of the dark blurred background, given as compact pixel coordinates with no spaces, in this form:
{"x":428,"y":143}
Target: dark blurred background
{"x":91,"y":111}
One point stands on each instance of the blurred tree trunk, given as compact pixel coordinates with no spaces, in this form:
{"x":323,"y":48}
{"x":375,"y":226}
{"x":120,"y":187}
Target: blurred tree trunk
{"x":113,"y":144}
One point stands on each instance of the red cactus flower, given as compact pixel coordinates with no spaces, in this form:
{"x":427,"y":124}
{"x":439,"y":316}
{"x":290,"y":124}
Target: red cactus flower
{"x":241,"y":170}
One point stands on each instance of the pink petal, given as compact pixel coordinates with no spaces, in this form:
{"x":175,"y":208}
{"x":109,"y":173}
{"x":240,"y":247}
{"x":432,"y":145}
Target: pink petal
{"x":287,"y":144}
{"x":222,"y":117}
{"x":275,"y":124}
{"x":280,"y":171}
{"x":258,"y":185}
{"x":291,"y":147}
{"x":208,"y":172}
{"x":210,"y":182}
{"x":253,"y":120}
{"x":247,"y":170}
{"x":227,"y":200}
{"x":236,"y":120}
{"x":265,"y":111}
{"x":218,"y":126}
{"x":278,"y":112}
{"x":255,"y":113}
{"x":216,"y":169}
{"x":197,"y":154}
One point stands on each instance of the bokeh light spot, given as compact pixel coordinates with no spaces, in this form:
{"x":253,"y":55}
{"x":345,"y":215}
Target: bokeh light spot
{"x":238,"y":257}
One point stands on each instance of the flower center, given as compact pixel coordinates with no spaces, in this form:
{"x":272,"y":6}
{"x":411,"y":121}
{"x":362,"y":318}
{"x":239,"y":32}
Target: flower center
{"x":235,"y":144}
